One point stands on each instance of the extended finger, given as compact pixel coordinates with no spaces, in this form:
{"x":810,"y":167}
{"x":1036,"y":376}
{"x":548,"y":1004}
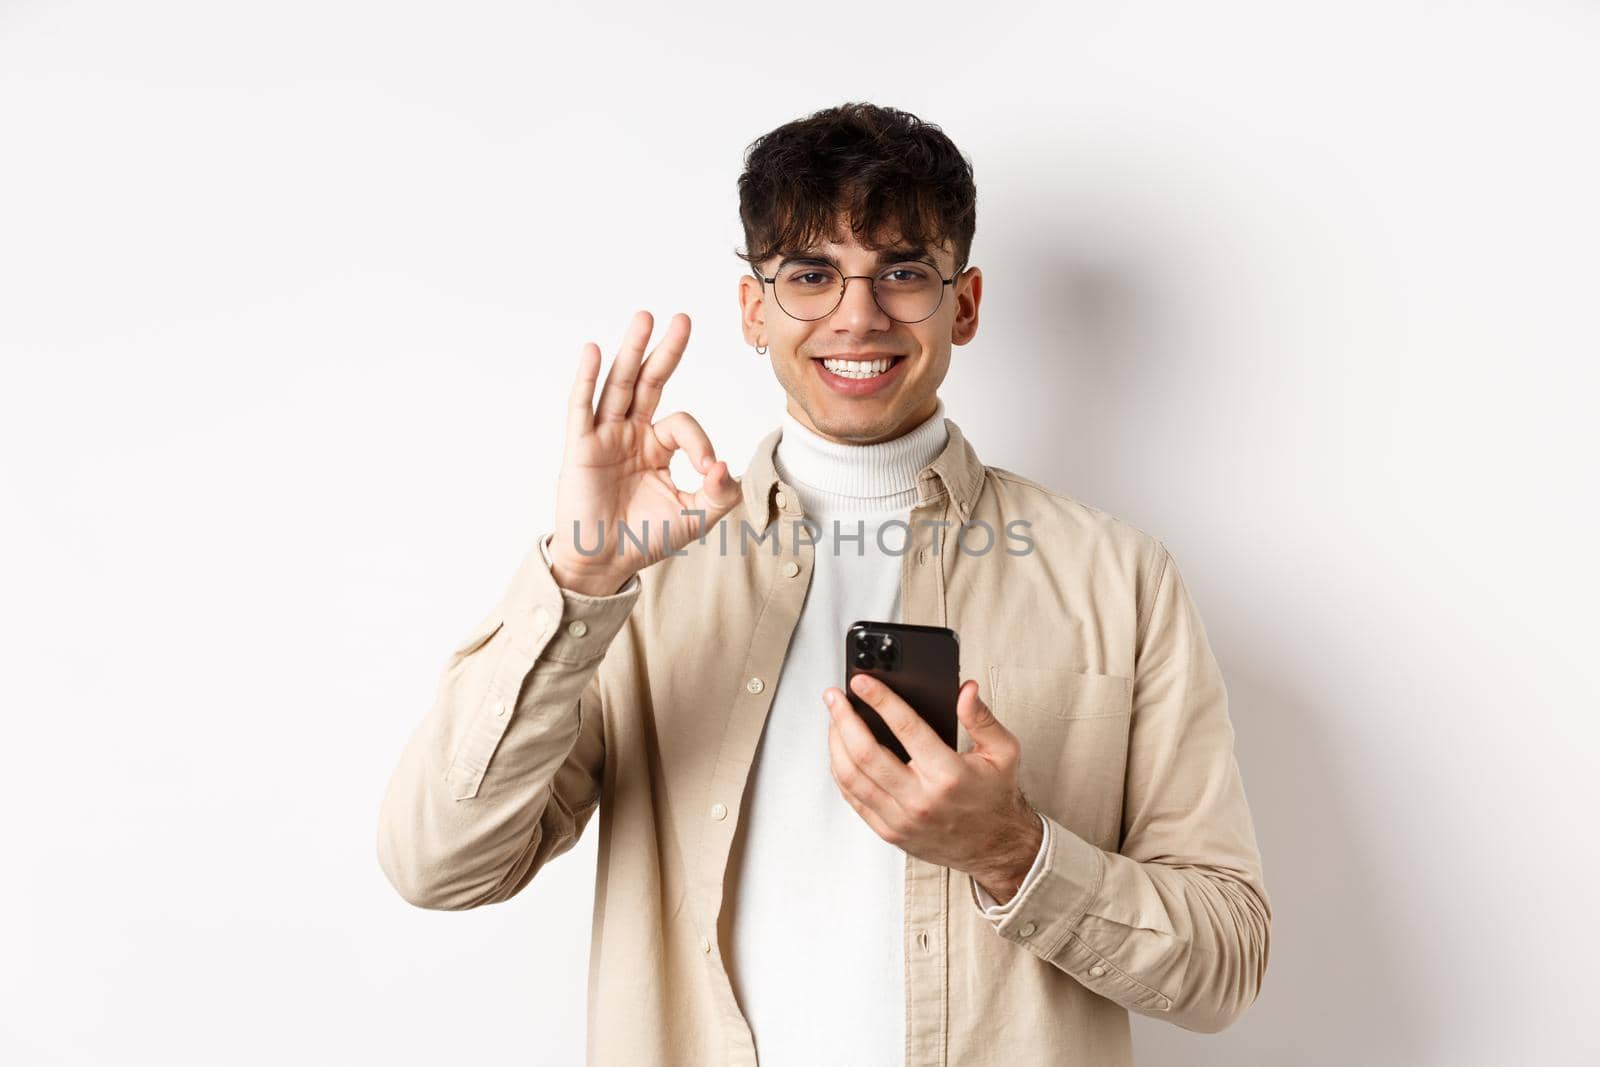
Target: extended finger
{"x":870,"y":799}
{"x":929,"y":754}
{"x":866,"y":752}
{"x":618,"y":392}
{"x":580,"y":402}
{"x":873,"y":819}
{"x":659,"y":367}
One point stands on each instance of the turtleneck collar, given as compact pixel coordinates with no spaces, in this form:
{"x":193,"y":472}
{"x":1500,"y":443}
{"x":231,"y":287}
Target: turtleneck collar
{"x":830,"y":477}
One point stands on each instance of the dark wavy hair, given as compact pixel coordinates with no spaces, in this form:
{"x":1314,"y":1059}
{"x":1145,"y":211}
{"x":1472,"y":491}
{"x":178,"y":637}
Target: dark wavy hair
{"x":891,"y":172}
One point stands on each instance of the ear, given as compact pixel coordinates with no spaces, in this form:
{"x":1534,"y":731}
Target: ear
{"x":752,"y":309}
{"x":968,"y":293}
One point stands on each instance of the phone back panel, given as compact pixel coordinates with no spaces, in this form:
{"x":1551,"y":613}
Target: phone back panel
{"x":926,"y":675}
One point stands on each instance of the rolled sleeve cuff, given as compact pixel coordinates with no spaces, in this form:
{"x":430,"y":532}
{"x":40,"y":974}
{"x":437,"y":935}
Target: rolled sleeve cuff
{"x":580,"y":627}
{"x":632,"y":585}
{"x":1052,"y":899}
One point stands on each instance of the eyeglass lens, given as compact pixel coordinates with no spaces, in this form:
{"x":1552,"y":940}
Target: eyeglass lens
{"x":907,"y":292}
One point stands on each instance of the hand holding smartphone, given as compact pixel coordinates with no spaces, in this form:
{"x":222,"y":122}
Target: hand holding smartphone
{"x":920,"y":663}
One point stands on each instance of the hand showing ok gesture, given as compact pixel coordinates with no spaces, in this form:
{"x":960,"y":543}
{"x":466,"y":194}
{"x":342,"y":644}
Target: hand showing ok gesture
{"x":614,"y":467}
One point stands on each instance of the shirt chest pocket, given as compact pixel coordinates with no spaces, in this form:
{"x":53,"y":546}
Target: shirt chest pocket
{"x":1073,"y":727}
{"x":1061,"y":694}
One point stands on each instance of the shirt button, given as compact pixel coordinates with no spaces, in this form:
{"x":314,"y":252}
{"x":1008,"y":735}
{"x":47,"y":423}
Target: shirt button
{"x":790,"y":568}
{"x":1027,"y":929}
{"x":755,"y":685}
{"x":719,"y":810}
{"x":780,"y":500}
{"x":705,"y":944}
{"x":500,"y":707}
{"x":577,"y":628}
{"x":1096,"y":971}
{"x":541,"y":618}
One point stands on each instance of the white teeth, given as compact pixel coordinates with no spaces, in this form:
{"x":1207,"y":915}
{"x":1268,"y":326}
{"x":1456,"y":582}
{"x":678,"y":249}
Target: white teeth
{"x":857,"y":368}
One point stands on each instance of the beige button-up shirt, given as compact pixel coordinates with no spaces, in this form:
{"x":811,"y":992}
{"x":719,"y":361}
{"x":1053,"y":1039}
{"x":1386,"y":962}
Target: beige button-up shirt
{"x":647,"y":706}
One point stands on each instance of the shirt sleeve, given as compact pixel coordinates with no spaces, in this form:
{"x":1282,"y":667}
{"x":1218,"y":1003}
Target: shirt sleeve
{"x":987,"y":902}
{"x":1175,"y":924}
{"x":503,"y":773}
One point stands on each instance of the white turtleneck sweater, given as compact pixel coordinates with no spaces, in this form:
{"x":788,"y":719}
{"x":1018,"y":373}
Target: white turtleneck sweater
{"x":815,"y":895}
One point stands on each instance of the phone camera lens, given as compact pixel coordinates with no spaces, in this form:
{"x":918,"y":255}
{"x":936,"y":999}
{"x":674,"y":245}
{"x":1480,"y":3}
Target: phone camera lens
{"x":863,"y":658}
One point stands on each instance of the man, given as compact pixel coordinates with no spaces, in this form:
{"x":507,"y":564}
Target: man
{"x":772,"y":880}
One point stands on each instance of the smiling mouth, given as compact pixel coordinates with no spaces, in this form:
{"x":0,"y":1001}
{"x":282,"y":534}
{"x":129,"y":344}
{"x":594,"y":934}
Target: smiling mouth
{"x":860,"y":369}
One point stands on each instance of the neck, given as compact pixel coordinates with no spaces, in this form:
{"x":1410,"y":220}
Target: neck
{"x":832,"y":477}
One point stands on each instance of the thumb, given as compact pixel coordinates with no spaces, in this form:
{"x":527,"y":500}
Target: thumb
{"x":986,"y":730}
{"x":719,"y":492}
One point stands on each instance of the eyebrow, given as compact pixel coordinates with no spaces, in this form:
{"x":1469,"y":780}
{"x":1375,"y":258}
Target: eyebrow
{"x":892,"y":255}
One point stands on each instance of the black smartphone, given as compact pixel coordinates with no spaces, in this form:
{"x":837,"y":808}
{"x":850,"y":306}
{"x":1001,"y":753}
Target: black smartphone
{"x":920,"y":663}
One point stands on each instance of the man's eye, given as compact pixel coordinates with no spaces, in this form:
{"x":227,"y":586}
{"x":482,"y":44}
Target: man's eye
{"x":809,"y":277}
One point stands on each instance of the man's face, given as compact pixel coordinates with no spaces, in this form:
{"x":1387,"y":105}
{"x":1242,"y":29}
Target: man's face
{"x":852,"y":407}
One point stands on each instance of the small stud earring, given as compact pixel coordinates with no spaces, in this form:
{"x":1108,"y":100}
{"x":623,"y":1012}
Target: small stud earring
{"x":761,"y":350}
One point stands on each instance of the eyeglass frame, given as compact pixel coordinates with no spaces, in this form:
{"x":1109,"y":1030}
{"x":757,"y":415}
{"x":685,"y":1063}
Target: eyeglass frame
{"x":872,"y":287}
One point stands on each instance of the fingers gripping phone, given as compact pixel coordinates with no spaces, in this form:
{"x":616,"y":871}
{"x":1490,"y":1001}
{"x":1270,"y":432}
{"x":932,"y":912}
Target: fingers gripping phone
{"x":920,"y":663}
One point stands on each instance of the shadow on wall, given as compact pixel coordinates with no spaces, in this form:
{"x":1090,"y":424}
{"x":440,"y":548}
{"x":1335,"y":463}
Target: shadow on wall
{"x":1332,"y":994}
{"x":1110,"y":356}
{"x":1102,"y":348}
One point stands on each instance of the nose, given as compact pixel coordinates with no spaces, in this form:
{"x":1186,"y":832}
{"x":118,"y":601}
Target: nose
{"x":858,"y":309}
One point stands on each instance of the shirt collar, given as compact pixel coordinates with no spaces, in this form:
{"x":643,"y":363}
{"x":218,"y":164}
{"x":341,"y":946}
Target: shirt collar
{"x":955,"y":472}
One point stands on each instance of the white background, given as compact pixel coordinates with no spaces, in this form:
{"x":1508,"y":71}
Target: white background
{"x":290,"y":295}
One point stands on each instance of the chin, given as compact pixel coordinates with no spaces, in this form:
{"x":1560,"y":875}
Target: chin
{"x":858,"y":424}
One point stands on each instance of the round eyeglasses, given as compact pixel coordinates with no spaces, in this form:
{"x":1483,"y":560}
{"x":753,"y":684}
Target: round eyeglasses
{"x":907,"y":292}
